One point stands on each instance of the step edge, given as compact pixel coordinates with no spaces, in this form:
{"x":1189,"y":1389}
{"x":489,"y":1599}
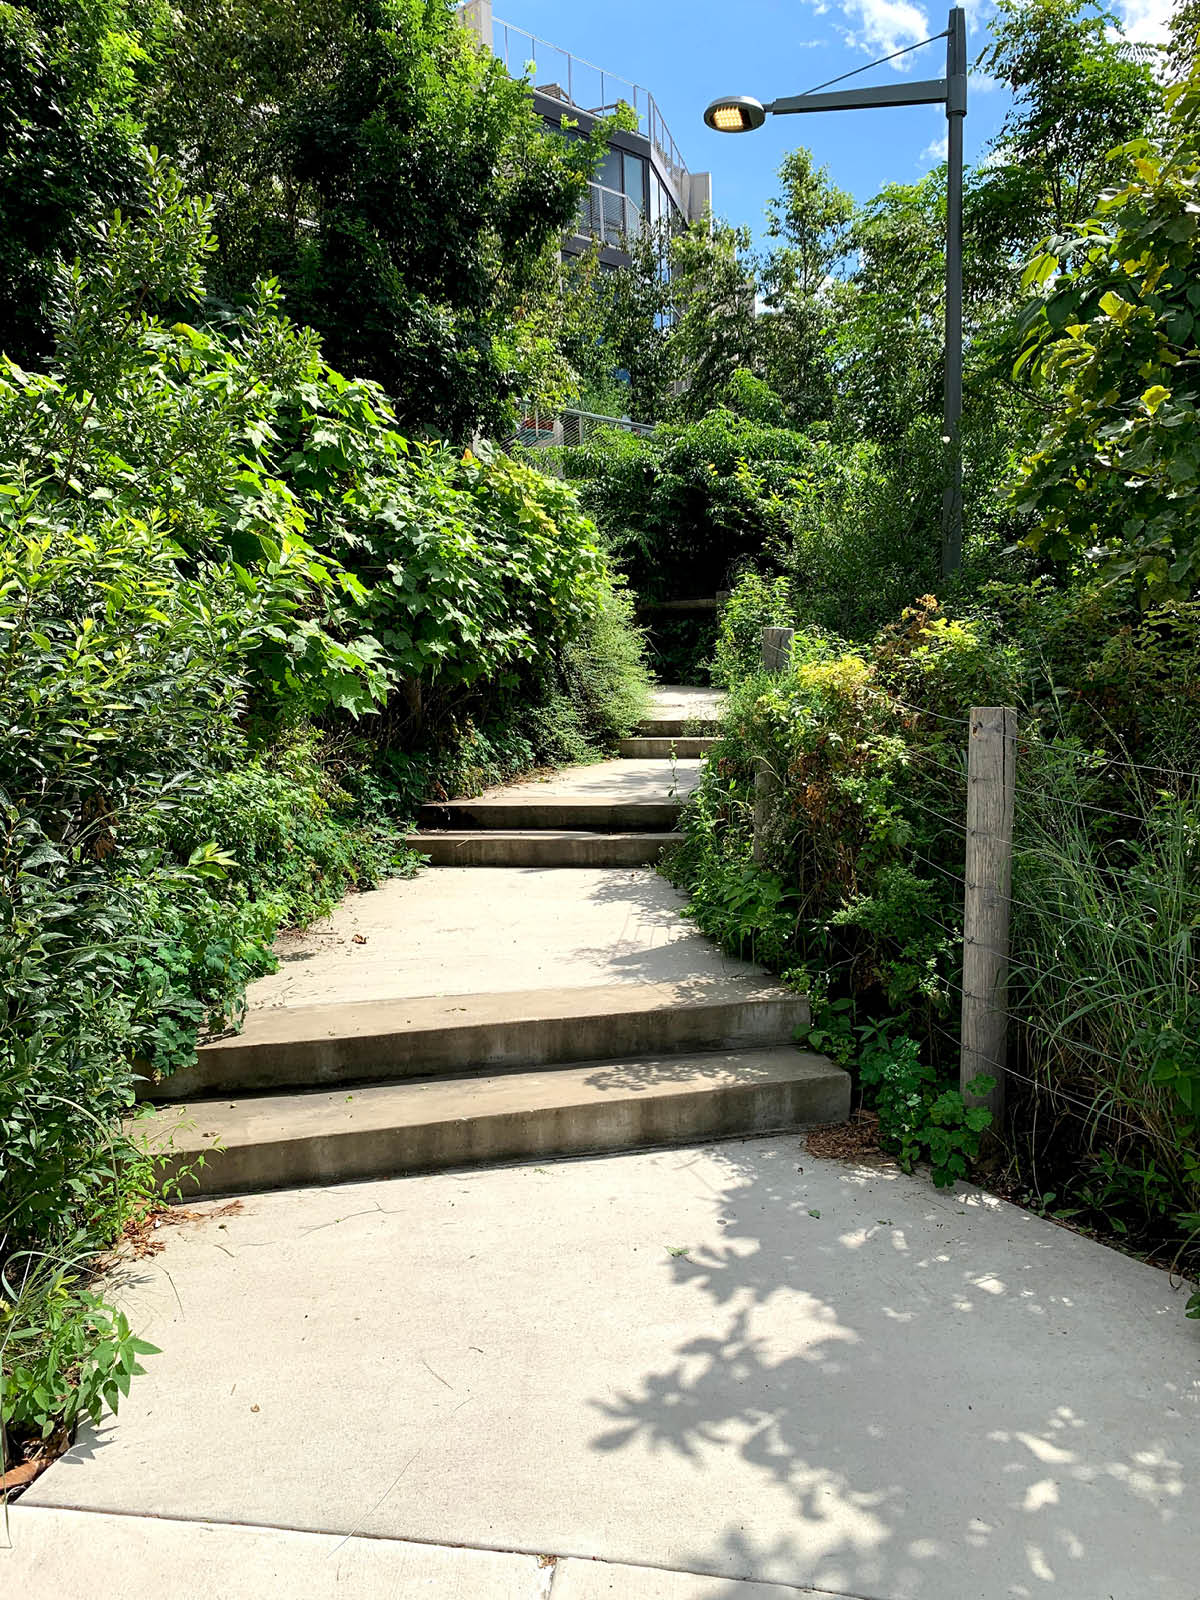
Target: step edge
{"x":821,"y":1074}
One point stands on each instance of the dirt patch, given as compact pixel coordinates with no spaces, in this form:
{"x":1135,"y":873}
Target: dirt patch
{"x":35,"y":1456}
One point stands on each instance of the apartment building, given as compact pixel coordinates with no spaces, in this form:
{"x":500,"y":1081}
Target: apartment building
{"x":643,"y":178}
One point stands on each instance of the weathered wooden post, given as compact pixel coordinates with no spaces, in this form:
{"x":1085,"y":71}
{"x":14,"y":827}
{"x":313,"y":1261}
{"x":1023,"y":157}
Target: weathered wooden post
{"x":776,"y":657}
{"x":991,"y":797}
{"x":777,"y":649}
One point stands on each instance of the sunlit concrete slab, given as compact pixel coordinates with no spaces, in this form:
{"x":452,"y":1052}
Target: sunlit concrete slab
{"x":738,"y":1363}
{"x":619,"y":779}
{"x":601,"y":1580}
{"x":493,"y":929}
{"x":58,"y":1555}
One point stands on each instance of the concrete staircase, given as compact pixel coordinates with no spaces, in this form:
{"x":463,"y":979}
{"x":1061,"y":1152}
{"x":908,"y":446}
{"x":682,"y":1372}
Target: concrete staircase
{"x":499,"y":1008}
{"x":615,"y":813}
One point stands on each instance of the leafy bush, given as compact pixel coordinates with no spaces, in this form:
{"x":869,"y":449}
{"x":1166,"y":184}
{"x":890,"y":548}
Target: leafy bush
{"x":858,"y":897}
{"x":754,"y":603}
{"x":682,"y":508}
{"x":727,"y":502}
{"x":919,"y":1118}
{"x":1116,"y":468}
{"x":69,"y":136}
{"x":208,"y":539}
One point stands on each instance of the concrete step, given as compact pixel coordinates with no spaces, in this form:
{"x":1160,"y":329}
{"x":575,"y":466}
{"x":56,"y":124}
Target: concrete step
{"x":564,"y":813}
{"x":666,"y":727}
{"x":283,"y":1141}
{"x":539,"y":847}
{"x":364,"y":1041}
{"x":664,"y":748}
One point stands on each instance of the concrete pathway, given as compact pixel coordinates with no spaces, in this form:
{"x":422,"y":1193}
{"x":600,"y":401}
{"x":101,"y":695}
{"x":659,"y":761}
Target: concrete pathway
{"x":703,"y":1372}
{"x":471,"y":930}
{"x":714,"y":1373}
{"x":538,"y":993}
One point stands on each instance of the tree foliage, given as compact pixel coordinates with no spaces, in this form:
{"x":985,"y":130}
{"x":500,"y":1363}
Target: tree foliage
{"x":373,"y":157}
{"x":1080,"y":90}
{"x":1116,"y":471}
{"x":73,"y":73}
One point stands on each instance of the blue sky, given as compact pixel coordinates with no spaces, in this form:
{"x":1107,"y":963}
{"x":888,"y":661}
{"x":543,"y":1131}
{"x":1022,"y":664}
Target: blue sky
{"x":686,"y":52}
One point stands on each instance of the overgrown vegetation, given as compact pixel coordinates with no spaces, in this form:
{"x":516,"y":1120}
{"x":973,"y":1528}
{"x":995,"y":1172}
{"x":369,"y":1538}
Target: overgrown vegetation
{"x":263,"y":588}
{"x":858,"y":897}
{"x":248,"y":625}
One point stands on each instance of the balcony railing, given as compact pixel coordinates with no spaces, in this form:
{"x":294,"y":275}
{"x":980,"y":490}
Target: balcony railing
{"x":609,"y":216}
{"x":571,"y":428}
{"x":586,"y":87}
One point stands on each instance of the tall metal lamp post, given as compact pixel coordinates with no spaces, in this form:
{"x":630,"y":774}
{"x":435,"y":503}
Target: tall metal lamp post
{"x":741,"y":114}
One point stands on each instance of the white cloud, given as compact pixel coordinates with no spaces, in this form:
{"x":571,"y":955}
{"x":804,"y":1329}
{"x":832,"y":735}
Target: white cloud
{"x":1145,"y":21}
{"x":937,"y":149}
{"x":880,"y":26}
{"x":981,"y":83}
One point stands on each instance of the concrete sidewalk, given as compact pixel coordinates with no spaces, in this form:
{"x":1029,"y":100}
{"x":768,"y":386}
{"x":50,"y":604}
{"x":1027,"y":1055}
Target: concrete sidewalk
{"x":724,"y":1373}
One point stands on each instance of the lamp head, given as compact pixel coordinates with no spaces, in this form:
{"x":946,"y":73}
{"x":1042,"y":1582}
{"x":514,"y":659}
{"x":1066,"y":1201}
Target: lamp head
{"x":735,"y":113}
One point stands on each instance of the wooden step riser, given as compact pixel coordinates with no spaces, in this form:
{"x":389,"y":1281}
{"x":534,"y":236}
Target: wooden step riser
{"x":395,"y":1053}
{"x":540,"y":1133}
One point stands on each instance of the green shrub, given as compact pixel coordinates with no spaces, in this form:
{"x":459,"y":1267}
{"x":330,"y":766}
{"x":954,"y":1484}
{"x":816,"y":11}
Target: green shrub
{"x":859,"y":895}
{"x":1113,"y":478}
{"x":755,"y":602}
{"x":208,"y":540}
{"x":683,"y":508}
{"x":1106,"y":997}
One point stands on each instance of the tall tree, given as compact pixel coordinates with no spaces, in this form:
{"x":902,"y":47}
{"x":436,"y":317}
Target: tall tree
{"x":380,"y":162}
{"x":714,"y":303}
{"x":72,"y":75}
{"x":811,"y":220}
{"x":1080,"y":89}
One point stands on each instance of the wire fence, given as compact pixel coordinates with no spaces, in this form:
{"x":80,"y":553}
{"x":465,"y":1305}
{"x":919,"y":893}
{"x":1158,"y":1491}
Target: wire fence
{"x":1096,"y":998}
{"x":1054,"y":914}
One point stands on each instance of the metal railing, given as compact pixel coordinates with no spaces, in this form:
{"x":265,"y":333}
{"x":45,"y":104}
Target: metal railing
{"x":581,"y":84}
{"x":570,"y":427}
{"x":608,"y":215}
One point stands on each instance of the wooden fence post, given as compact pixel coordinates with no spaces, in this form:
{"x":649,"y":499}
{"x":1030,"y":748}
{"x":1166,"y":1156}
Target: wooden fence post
{"x":991,"y":796}
{"x":777,"y":648}
{"x":776,"y":657}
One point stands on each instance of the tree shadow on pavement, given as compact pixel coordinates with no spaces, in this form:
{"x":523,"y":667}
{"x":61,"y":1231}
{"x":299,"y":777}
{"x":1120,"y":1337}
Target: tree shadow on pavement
{"x":962,"y":1401}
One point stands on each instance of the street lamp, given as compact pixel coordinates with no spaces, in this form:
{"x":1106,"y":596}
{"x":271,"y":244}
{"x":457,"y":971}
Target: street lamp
{"x":741,"y":114}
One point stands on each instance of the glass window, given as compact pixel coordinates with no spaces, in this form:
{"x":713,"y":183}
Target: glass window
{"x":637,"y":176}
{"x":609,"y":171}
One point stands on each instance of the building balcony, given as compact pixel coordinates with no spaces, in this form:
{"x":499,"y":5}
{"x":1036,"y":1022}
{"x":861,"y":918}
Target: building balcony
{"x":580,"y":85}
{"x":608,"y":216}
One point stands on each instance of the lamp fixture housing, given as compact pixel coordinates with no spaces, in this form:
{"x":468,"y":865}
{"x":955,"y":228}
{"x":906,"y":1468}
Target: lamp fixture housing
{"x":735,"y":113}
